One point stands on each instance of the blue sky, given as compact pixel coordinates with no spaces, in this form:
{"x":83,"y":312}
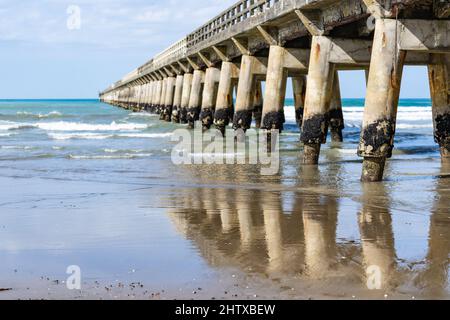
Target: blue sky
{"x":41,"y":58}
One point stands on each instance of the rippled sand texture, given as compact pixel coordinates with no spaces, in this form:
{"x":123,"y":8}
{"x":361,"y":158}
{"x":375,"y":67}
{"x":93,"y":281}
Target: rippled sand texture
{"x":142,"y":228}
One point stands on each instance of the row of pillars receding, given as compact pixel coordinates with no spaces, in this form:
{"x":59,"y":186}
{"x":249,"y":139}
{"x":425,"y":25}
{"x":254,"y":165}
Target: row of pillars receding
{"x":207,"y":95}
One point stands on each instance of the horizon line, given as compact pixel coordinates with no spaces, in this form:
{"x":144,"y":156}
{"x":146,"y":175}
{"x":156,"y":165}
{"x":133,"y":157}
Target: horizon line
{"x":74,"y":99}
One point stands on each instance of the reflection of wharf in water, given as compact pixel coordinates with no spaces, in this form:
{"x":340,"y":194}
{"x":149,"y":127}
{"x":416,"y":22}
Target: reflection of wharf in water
{"x":265,"y":233}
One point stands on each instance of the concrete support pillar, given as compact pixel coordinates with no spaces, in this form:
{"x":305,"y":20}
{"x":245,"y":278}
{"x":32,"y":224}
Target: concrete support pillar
{"x":195,"y":99}
{"x":168,"y":101}
{"x":150,"y":96}
{"x":138,"y":98}
{"x":163,"y":99}
{"x":439,"y":74}
{"x":151,"y":87}
{"x":132,"y":98}
{"x":185,"y":96}
{"x":257,"y":104}
{"x":212,"y":77}
{"x":273,"y":111}
{"x":383,"y":90}
{"x":158,"y":95}
{"x":317,"y":100}
{"x":224,"y":103}
{"x":154,"y":98}
{"x":336,"y":114}
{"x":177,"y":99}
{"x":244,"y":99}
{"x":299,"y":87}
{"x":144,"y":96}
{"x":129,"y":99}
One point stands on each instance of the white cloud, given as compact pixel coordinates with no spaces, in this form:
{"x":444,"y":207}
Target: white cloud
{"x":126,"y":24}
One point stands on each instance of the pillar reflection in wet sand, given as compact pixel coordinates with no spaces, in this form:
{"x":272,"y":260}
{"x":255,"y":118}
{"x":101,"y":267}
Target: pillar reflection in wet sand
{"x":228,"y":217}
{"x":273,"y":212}
{"x":246,"y":224}
{"x":320,"y":222}
{"x":377,"y":237}
{"x":435,"y":278}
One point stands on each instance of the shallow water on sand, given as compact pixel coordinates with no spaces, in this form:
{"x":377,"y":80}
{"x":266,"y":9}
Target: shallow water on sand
{"x":83,"y":183}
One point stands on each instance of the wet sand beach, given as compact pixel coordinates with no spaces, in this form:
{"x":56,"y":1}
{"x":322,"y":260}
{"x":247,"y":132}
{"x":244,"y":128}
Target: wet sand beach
{"x":140,"y":227}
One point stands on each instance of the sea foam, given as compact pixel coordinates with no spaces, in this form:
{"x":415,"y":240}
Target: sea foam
{"x":77,"y":126}
{"x":73,"y":126}
{"x":407,"y":117}
{"x":110,"y":157}
{"x":99,"y":136}
{"x":53,"y":114}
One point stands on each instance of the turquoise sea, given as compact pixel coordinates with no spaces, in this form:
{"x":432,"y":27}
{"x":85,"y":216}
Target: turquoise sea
{"x":87,"y":132}
{"x":84,"y":183}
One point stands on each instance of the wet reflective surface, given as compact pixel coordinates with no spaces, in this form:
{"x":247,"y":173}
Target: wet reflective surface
{"x":81,"y":190}
{"x":319,"y":238}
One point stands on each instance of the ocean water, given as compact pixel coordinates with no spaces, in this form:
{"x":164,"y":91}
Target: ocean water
{"x":84,"y":183}
{"x":88,"y":130}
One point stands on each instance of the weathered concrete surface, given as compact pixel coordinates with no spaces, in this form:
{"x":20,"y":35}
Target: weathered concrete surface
{"x":250,"y":67}
{"x":265,"y":40}
{"x":168,"y":101}
{"x":176,"y":111}
{"x":318,"y":96}
{"x":336,"y":113}
{"x":383,"y":90}
{"x":195,"y":99}
{"x":299,"y":88}
{"x":258,"y":102}
{"x":224,"y":104}
{"x":273,"y":114}
{"x":212,"y":78}
{"x":185,"y":96}
{"x":439,"y":74}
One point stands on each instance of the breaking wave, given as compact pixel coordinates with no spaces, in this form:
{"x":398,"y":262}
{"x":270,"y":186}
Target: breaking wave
{"x":98,"y":136}
{"x":73,"y":126}
{"x":407,"y":117}
{"x":110,"y":157}
{"x":53,"y":114}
